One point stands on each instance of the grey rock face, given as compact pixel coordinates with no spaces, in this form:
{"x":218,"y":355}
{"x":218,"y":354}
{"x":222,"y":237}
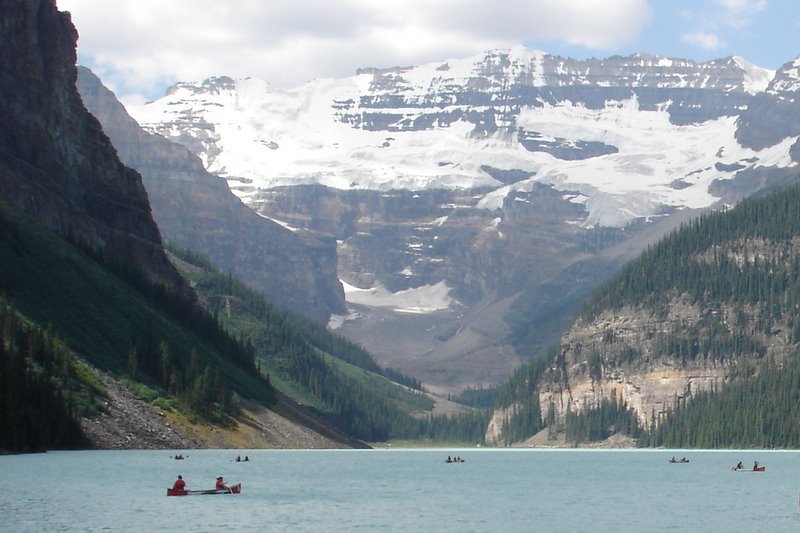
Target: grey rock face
{"x":55,"y":161}
{"x":197,"y":210}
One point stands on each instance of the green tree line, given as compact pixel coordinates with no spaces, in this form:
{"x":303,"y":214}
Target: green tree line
{"x":745,"y":259}
{"x":695,"y":259}
{"x":42,"y":397}
{"x":762,"y":411}
{"x":601,"y":421}
{"x":123,"y":323}
{"x":343,"y":378}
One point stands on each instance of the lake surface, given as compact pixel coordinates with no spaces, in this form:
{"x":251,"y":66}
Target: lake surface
{"x":494,"y":490}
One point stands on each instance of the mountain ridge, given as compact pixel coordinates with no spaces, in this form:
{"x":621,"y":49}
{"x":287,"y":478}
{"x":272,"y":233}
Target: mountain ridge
{"x":85,"y":280}
{"x":707,"y":308}
{"x":196,"y":210}
{"x":486,"y":178}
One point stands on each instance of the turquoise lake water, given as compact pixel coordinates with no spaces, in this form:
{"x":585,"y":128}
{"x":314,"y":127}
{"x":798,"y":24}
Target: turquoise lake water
{"x":495,"y":490}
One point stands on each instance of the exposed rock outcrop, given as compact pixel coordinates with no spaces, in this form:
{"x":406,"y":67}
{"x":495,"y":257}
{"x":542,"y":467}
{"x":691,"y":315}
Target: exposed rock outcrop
{"x":623,"y":353}
{"x":128,"y":423}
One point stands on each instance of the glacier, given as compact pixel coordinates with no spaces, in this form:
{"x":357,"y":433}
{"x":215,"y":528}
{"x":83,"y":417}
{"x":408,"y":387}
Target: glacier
{"x":258,"y":137}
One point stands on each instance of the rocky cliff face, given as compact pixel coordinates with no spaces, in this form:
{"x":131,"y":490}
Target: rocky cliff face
{"x":645,"y":355}
{"x":195,"y":209}
{"x":450,"y":334}
{"x":55,"y":162}
{"x":490,"y":92}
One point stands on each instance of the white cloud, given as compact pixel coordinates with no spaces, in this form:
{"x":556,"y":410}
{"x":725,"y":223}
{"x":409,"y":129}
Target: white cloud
{"x":742,"y":6}
{"x":705,"y":40}
{"x":737,"y":13}
{"x":146,"y":44}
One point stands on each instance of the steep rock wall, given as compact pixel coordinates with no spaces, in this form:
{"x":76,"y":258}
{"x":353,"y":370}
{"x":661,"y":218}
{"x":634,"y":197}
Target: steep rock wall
{"x":197,"y":210}
{"x":622,"y":352}
{"x":55,"y":162}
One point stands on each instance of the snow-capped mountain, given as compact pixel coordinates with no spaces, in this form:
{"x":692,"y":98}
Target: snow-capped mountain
{"x":596,"y":127}
{"x":478,"y":180}
{"x":788,"y":82}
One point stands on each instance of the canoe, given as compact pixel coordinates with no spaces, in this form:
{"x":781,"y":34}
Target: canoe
{"x":234,"y":489}
{"x":681,"y":461}
{"x":759,"y":469}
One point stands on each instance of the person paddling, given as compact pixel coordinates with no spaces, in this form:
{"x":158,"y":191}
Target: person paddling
{"x":180,"y":484}
{"x":221,"y":484}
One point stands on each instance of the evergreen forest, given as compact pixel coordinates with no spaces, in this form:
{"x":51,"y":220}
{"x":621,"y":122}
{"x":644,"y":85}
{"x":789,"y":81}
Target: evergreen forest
{"x":44,"y":388}
{"x":742,"y":265}
{"x":116,"y":321}
{"x":325,"y":371}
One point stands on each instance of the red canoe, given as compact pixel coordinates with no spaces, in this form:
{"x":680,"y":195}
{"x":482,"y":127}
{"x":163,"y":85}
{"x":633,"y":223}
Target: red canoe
{"x":233,"y":489}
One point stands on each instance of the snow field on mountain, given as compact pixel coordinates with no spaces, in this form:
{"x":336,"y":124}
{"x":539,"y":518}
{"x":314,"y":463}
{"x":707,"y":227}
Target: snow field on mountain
{"x":259,"y":137}
{"x":424,"y":299}
{"x":653,"y":153}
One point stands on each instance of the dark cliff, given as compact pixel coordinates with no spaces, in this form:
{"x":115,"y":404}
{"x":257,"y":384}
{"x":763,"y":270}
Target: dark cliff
{"x":56,"y":163}
{"x":197,"y":210}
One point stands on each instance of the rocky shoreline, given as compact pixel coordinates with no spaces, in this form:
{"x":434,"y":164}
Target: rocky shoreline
{"x":129,"y":423}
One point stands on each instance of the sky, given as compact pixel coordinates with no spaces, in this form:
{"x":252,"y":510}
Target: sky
{"x":139,"y":48}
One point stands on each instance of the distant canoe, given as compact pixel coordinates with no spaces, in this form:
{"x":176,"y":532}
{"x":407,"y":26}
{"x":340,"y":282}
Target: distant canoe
{"x":233,"y":489}
{"x":759,"y":469}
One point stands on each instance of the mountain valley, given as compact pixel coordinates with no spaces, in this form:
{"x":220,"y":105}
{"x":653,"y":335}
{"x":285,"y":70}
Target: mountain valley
{"x":476,"y":201}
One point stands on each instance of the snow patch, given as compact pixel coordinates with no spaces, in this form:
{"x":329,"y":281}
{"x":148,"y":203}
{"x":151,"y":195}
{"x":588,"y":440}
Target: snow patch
{"x":420,"y":300}
{"x":280,"y":223}
{"x":756,"y":79}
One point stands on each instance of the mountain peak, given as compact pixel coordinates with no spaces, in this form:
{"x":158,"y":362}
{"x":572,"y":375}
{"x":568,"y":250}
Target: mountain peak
{"x":597,"y":127}
{"x":756,"y":79}
{"x":787,"y":79}
{"x":212,"y":85}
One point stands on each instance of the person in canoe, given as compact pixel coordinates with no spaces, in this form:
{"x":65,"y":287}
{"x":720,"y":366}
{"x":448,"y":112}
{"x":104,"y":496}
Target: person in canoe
{"x":755,"y":465}
{"x":739,"y":465}
{"x":221,"y":484}
{"x":180,"y":484}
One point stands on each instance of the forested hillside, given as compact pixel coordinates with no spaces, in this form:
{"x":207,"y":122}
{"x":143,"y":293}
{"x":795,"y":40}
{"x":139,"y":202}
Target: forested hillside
{"x":323,"y":370}
{"x":713,"y":308}
{"x":44,"y":391}
{"x":84,"y":276}
{"x":746,"y":256}
{"x":118,"y":322}
{"x":58,"y":302}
